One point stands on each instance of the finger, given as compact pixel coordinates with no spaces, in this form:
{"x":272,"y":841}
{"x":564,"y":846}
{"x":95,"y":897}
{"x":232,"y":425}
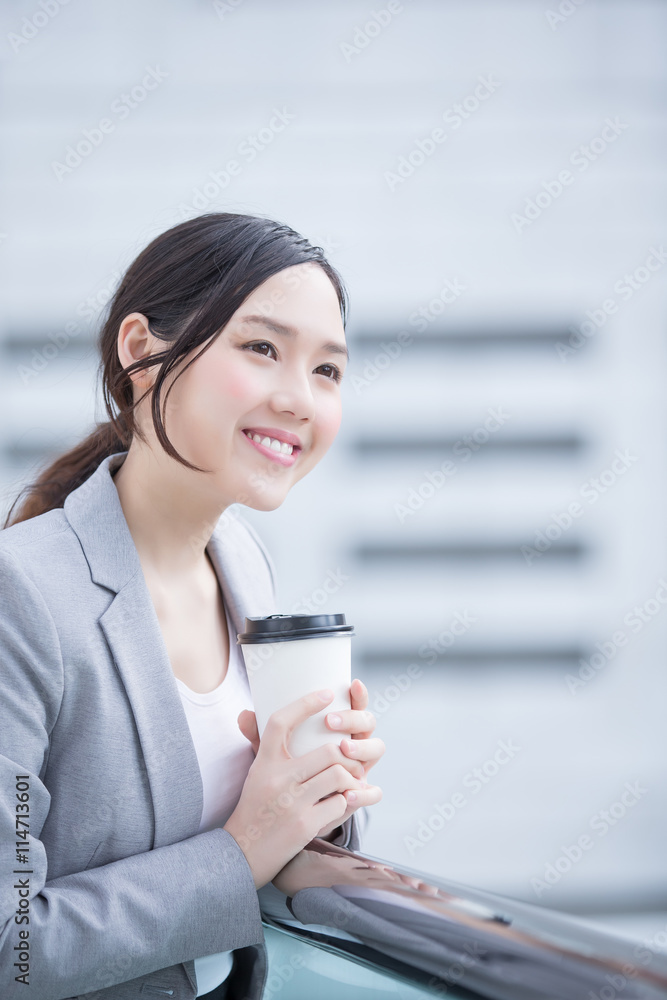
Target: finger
{"x":368,"y":751}
{"x":368,"y":796}
{"x":284,"y":721}
{"x":332,"y":810}
{"x":247,"y":723}
{"x":428,"y":890}
{"x":351,"y":721}
{"x":334,"y":779}
{"x":385,"y":869}
{"x":355,"y":798}
{"x":311,"y":763}
{"x":410,"y":880}
{"x":358,"y":694}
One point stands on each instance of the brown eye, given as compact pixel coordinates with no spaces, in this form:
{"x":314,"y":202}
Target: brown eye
{"x":260,"y":343}
{"x":336,"y":375}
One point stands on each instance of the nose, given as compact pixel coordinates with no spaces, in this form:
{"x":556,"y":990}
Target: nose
{"x":293,"y":394}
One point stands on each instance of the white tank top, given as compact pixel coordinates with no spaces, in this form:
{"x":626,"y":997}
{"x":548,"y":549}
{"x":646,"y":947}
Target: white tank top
{"x":224,"y":756}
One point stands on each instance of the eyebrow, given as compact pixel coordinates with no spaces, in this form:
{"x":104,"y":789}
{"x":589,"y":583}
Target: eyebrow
{"x":289,"y":331}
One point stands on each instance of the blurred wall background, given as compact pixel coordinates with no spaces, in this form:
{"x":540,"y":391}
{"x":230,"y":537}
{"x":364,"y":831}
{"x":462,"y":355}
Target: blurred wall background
{"x":489,"y":179}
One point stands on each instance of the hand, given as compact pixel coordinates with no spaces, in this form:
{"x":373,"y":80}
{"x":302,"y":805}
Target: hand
{"x":311,"y":868}
{"x":285,"y":800}
{"x":360,"y":723}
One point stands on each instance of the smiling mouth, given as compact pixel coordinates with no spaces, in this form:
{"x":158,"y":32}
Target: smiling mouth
{"x":280,"y":451}
{"x":275,"y":444}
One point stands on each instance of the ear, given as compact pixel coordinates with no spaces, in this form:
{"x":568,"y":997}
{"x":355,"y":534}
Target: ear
{"x":135,"y":341}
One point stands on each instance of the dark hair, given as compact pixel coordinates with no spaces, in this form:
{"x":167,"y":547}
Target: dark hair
{"x":188,"y":283}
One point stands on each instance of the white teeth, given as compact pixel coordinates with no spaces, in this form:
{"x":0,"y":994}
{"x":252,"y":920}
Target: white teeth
{"x":273,"y":444}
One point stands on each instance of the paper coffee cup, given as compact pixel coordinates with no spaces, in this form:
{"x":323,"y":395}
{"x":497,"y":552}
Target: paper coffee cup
{"x":289,"y":656}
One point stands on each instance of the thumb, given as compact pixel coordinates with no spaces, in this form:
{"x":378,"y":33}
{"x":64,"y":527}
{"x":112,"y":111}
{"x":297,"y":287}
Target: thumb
{"x":247,"y":722}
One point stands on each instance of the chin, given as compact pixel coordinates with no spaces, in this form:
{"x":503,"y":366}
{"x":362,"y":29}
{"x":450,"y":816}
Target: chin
{"x":265,"y":503}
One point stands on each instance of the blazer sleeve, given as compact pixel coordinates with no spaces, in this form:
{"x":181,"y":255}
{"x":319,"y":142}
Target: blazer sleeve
{"x":92,"y":929}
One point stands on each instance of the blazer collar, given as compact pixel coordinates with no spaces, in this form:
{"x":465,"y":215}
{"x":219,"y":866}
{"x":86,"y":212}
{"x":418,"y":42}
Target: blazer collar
{"x":94,"y":512}
{"x":133,"y":632}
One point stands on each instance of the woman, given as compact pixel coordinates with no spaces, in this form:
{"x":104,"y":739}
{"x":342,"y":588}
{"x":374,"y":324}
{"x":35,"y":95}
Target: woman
{"x":134,"y":824}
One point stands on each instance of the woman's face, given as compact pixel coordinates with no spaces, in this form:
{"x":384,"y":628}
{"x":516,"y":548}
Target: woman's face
{"x":258,"y":379}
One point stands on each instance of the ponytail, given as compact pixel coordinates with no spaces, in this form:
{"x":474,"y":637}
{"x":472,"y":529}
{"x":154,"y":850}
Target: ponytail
{"x":56,"y":482}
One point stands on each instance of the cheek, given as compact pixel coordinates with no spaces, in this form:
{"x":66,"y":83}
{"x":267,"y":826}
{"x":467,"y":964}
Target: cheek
{"x":329,"y":421}
{"x":238,"y":385}
{"x":226,"y":380}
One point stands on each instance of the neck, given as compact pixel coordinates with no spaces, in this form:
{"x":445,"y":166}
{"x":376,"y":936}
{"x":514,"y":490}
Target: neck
{"x":171,"y":521}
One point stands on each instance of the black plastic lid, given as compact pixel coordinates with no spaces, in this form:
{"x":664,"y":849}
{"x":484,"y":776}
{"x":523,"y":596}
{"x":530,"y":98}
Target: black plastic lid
{"x":283,"y":628}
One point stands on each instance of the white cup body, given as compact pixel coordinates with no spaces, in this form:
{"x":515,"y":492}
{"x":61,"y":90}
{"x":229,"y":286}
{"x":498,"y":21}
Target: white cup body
{"x":281,"y":672}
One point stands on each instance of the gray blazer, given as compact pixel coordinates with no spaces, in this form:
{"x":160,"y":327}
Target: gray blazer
{"x":106,"y":886}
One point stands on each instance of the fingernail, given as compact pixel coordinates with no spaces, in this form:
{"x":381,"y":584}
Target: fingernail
{"x":335,"y":721}
{"x":326,"y":695}
{"x":350,"y":747}
{"x":351,"y":796}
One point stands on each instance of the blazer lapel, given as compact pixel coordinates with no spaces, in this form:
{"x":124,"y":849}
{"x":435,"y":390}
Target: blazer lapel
{"x":132,"y":630}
